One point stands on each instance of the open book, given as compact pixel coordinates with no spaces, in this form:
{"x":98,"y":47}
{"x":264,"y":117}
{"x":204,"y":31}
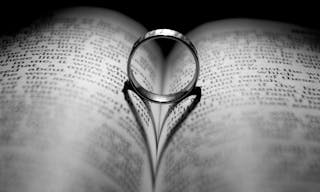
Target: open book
{"x":66,"y":126}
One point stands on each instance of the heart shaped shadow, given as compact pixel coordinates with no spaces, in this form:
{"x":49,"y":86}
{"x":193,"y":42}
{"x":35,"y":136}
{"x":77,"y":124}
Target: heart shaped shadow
{"x":196,"y":93}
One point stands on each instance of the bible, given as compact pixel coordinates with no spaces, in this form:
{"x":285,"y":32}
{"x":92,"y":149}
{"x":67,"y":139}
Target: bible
{"x":65,"y":124}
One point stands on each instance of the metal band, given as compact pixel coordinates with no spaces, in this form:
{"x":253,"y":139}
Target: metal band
{"x":174,"y":97}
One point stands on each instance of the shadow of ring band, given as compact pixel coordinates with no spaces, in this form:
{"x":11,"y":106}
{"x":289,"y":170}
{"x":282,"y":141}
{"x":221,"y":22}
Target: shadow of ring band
{"x":166,"y":98}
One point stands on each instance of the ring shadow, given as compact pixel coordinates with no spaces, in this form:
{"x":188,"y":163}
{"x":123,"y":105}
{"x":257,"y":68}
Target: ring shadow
{"x":195,"y":92}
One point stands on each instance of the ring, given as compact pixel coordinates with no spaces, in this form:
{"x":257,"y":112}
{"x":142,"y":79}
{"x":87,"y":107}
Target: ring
{"x":166,"y":98}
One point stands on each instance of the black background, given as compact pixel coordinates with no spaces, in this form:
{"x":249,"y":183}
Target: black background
{"x":182,"y":16}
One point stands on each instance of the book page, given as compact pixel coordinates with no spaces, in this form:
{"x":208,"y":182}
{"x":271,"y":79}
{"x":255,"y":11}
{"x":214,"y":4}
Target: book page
{"x":257,"y":126}
{"x":64,"y":122}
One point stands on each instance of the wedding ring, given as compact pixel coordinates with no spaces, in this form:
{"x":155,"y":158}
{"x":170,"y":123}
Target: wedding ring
{"x":165,"y":98}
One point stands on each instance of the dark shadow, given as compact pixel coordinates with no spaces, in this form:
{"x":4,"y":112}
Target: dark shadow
{"x":195,"y":92}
